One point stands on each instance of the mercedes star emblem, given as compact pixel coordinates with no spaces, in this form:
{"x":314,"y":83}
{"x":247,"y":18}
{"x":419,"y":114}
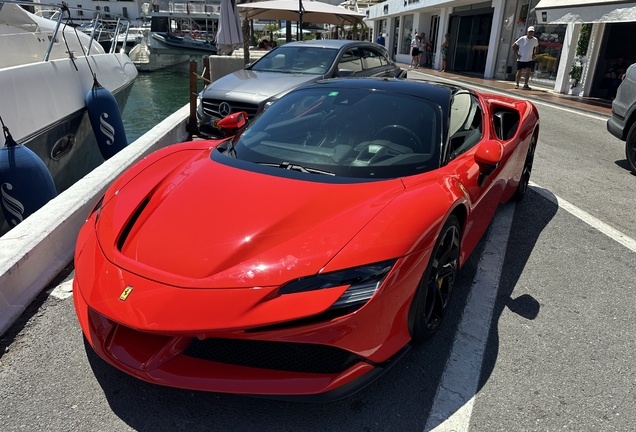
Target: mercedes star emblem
{"x":225,"y":109}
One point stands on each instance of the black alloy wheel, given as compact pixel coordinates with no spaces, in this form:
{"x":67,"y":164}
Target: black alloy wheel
{"x":437,"y":282}
{"x":522,"y":188}
{"x":630,"y":148}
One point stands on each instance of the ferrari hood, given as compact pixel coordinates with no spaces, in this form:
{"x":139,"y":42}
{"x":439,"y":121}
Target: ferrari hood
{"x":254,"y":87}
{"x":206,"y":224}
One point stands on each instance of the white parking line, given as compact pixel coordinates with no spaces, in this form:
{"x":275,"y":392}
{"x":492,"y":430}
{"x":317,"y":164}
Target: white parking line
{"x":595,"y":223}
{"x":453,"y":403}
{"x":63,"y":290}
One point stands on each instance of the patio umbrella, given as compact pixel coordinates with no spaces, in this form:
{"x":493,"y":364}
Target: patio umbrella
{"x":230,"y":35}
{"x":289,"y":10}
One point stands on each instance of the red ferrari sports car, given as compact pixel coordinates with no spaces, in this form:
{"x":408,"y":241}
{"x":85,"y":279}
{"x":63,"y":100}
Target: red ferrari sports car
{"x":302,"y":256}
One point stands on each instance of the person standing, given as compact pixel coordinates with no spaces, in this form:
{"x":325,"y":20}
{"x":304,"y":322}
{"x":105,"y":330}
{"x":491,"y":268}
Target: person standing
{"x":615,"y":76}
{"x":423,"y":50}
{"x":444,"y":51}
{"x":415,"y":52}
{"x":525,"y":49}
{"x":380,"y":39}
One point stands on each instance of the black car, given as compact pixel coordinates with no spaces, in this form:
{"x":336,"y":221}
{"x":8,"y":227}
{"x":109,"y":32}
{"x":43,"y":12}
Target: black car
{"x":285,"y":68}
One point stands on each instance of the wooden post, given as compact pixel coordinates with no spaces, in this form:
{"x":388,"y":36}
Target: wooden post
{"x":192,"y":127}
{"x":206,"y":70}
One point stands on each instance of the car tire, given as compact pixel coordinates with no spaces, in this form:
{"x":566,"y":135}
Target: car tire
{"x":436,"y":285}
{"x":522,"y":188}
{"x":630,"y":148}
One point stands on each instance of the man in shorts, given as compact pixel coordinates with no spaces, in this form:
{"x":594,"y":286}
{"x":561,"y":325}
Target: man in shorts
{"x":526,"y":49}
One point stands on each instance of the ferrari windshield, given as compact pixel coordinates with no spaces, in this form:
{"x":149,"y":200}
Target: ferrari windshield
{"x":348,"y":132}
{"x":297,"y":59}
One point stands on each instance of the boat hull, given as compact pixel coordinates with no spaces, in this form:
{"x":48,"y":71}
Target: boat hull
{"x":155,"y":61}
{"x":148,"y":57}
{"x":49,"y":113}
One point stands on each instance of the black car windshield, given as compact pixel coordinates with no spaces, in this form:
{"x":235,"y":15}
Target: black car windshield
{"x":300,"y":59}
{"x":348,"y":132}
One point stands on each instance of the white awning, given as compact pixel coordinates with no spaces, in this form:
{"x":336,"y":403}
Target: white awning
{"x":585,"y":11}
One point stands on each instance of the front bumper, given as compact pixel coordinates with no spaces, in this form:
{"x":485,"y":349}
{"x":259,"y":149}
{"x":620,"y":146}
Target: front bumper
{"x":206,"y":128}
{"x":173,"y":360}
{"x":616,"y":126}
{"x":189,"y":338}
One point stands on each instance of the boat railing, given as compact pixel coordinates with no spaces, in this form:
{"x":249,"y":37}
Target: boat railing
{"x":190,"y":7}
{"x":55,"y":12}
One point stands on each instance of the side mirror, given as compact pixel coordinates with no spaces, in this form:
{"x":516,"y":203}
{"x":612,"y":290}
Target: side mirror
{"x":488,"y":157}
{"x":233,"y":121}
{"x":345,"y":72}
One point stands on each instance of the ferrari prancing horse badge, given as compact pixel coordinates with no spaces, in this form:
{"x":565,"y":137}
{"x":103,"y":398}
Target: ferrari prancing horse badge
{"x":124,"y":295}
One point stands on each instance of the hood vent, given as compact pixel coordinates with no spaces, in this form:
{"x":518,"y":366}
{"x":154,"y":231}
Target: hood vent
{"x":131,"y":223}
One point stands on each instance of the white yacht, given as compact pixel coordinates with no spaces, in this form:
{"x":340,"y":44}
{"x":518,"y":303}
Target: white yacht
{"x":46,"y":71}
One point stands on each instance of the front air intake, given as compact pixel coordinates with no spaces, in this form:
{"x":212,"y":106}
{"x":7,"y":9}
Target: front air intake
{"x":131,"y":223}
{"x":282,"y":356}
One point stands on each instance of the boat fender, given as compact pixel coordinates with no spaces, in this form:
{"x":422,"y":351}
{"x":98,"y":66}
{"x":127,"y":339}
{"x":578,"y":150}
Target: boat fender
{"x":25,"y":182}
{"x":106,"y":121}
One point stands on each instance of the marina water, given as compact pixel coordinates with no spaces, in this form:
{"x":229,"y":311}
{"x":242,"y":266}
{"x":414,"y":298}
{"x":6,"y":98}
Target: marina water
{"x":155,"y":96}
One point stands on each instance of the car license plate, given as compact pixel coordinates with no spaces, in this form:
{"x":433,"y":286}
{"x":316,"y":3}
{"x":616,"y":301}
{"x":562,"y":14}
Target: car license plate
{"x":215,"y":124}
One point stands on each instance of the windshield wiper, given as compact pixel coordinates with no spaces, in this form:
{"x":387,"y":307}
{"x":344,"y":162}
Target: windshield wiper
{"x":296,"y":167}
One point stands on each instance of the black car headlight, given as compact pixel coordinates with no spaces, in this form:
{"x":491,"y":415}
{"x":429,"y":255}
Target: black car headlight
{"x":363,"y":282}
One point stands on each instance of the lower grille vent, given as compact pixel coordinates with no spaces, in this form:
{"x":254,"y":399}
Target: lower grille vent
{"x":283,"y":356}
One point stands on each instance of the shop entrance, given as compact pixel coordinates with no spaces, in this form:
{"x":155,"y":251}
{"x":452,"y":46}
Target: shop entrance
{"x":619,"y":40}
{"x":469,"y":37}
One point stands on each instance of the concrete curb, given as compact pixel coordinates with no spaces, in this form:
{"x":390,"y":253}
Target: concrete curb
{"x":36,"y":250}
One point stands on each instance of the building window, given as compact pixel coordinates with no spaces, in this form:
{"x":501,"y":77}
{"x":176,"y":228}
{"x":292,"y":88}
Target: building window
{"x":407,"y":35}
{"x":124,"y":12}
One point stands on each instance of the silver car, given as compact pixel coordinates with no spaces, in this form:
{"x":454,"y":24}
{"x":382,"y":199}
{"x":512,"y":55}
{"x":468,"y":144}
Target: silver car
{"x":285,"y":68}
{"x":622,"y":124}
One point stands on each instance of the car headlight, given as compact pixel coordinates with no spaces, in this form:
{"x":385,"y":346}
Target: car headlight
{"x":363,"y":282}
{"x":200,"y":105}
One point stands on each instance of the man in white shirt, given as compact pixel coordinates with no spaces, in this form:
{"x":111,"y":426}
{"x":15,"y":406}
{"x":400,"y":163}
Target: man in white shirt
{"x":526,"y":49}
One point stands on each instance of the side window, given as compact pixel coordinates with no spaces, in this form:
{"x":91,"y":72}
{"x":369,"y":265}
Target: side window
{"x":372,"y":58}
{"x":465,"y":126}
{"x":351,"y":60}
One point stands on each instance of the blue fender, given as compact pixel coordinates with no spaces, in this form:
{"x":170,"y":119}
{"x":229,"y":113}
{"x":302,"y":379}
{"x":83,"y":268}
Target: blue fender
{"x":25,"y":183}
{"x":106,"y":121}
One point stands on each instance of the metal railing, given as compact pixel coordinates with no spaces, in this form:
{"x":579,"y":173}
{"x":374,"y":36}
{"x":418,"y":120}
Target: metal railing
{"x":55,"y":12}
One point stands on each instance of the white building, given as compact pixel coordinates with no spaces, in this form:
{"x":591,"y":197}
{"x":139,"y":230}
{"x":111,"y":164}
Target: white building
{"x":133,"y":9}
{"x":482,"y":34}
